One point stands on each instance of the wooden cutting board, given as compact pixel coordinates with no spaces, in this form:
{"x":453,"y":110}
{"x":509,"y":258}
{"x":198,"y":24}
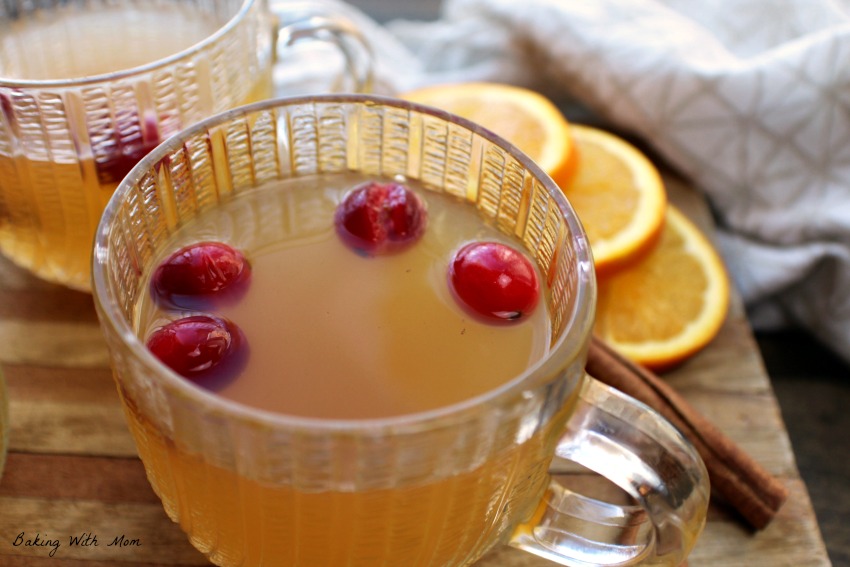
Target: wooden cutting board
{"x":73,"y":478}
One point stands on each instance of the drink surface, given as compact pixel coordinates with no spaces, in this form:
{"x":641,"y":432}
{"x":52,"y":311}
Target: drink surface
{"x":333,"y":333}
{"x":78,"y":43}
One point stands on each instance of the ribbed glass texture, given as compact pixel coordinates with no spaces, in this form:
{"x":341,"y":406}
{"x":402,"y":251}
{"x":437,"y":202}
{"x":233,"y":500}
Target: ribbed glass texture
{"x":65,"y":143}
{"x":432,"y":489}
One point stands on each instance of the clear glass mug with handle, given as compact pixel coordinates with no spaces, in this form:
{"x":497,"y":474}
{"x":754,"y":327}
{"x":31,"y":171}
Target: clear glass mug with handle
{"x":440,"y":487}
{"x":87,"y":88}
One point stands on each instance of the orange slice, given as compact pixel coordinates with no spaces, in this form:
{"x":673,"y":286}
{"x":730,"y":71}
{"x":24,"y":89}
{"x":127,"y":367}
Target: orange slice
{"x":671,"y":303}
{"x":523,"y":117}
{"x":618,"y":194}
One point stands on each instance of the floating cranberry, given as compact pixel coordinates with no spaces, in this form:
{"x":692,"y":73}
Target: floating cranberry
{"x":201,"y":269}
{"x":380,"y":218}
{"x":195,"y":345}
{"x":494,"y":280}
{"x":132,"y":138}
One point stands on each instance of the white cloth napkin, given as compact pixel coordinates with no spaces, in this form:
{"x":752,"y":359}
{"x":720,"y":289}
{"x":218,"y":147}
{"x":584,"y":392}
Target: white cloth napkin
{"x":750,"y":99}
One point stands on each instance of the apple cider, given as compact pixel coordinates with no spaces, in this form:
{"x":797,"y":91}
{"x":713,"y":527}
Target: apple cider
{"x":330,"y":332}
{"x":64,"y":147}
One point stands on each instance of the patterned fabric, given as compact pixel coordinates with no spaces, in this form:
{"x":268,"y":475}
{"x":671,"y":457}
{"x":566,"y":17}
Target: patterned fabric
{"x":750,"y":99}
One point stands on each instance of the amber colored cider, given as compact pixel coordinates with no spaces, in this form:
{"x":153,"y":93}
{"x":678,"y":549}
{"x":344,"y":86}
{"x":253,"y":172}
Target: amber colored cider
{"x":53,"y":201}
{"x":338,"y":335}
{"x":334,"y":334}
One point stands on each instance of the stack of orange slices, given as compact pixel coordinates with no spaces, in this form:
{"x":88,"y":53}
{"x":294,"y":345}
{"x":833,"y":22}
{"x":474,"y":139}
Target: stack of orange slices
{"x":663,"y":290}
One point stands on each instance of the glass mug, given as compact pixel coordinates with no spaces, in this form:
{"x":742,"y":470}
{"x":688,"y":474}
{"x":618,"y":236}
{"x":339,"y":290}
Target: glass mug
{"x":436,"y":488}
{"x":87,"y":88}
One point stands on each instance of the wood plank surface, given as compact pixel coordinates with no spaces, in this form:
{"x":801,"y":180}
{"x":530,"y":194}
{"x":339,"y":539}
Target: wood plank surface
{"x":73,"y":471}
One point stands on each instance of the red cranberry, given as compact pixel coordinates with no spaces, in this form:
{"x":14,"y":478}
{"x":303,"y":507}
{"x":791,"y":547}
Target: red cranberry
{"x":379,"y":218}
{"x":131,"y":143}
{"x":195,"y":345}
{"x":494,"y":280}
{"x":200,"y":269}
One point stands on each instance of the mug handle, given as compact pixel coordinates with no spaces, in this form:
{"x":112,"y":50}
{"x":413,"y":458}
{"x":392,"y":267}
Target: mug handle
{"x":304,"y":21}
{"x":637,"y":449}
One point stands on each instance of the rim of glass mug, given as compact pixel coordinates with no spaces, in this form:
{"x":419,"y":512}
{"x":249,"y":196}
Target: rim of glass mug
{"x":186,"y":53}
{"x":567,"y":347}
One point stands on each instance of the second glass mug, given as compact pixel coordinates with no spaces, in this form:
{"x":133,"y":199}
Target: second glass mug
{"x":437,"y":488}
{"x":70,"y":130}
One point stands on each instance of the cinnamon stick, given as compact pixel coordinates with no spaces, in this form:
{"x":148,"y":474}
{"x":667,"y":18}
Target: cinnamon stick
{"x":734,"y":475}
